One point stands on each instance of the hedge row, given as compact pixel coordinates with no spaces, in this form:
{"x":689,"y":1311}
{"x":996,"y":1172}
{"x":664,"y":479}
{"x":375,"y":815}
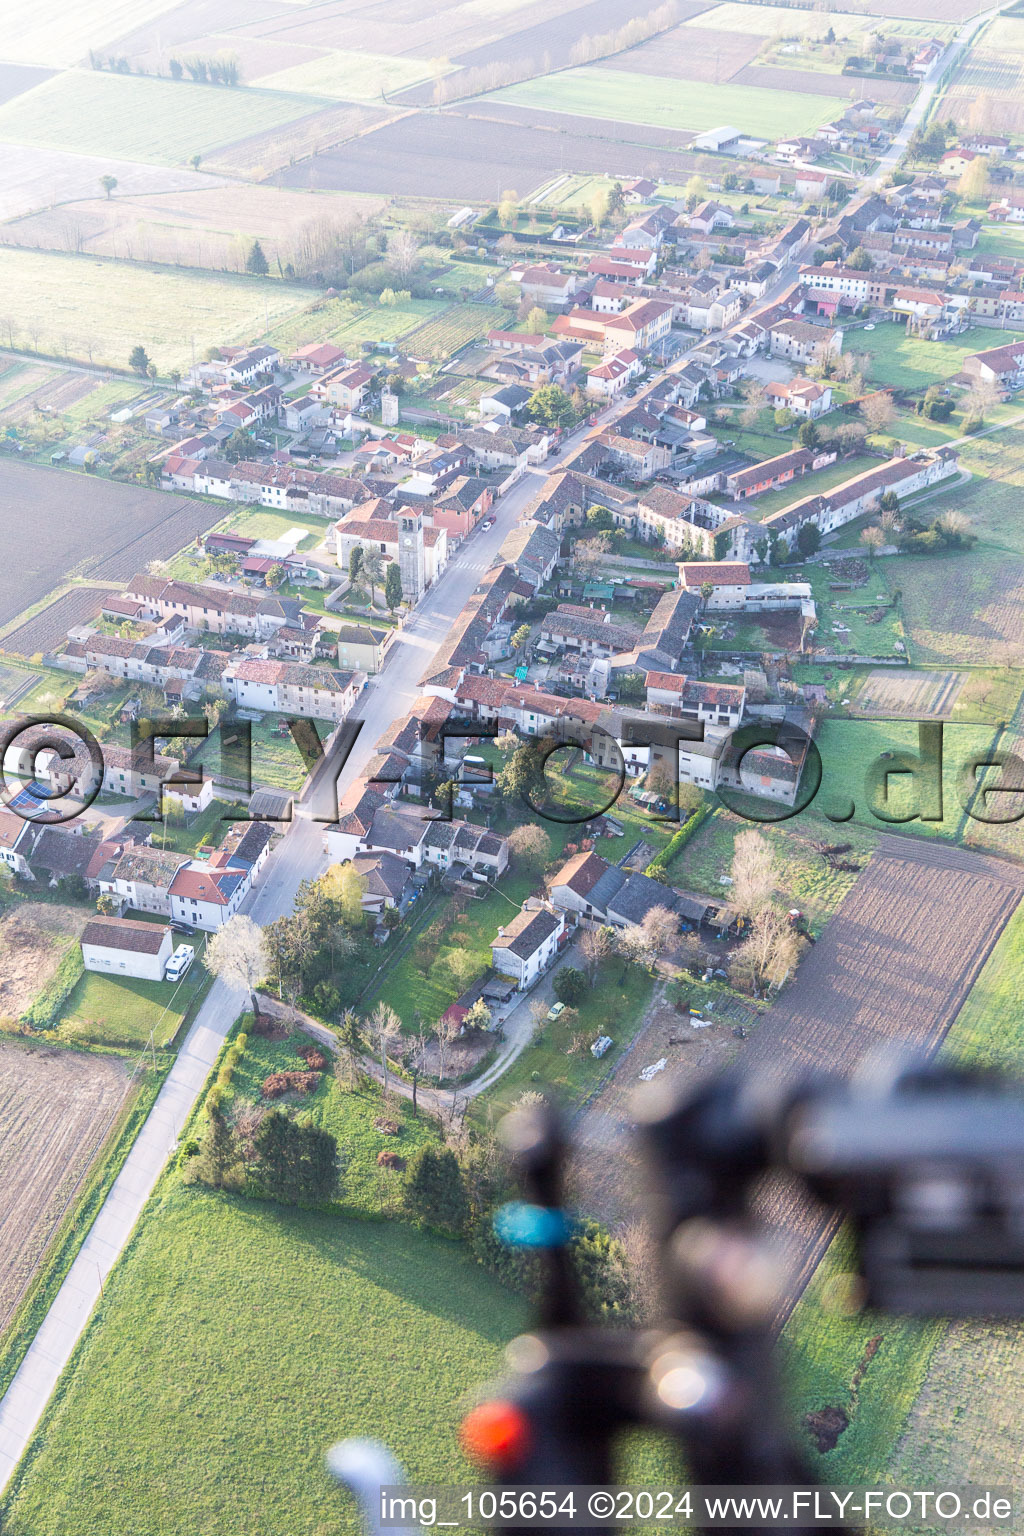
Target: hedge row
{"x":232,"y":1056}
{"x":679,"y":839}
{"x":49,"y":1005}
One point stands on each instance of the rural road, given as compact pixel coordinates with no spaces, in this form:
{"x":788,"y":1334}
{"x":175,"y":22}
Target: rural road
{"x":298,"y":856}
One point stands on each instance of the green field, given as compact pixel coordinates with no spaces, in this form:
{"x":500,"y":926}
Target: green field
{"x":346,"y":76}
{"x":276,"y":760}
{"x":892,"y":357}
{"x":1002,"y":240}
{"x":849,"y":748}
{"x":119,"y":1010}
{"x":262,"y":523}
{"x":628,"y":97}
{"x":966,"y":607}
{"x":97,"y":310}
{"x":808,"y":485}
{"x":164,"y":122}
{"x":235,"y":1342}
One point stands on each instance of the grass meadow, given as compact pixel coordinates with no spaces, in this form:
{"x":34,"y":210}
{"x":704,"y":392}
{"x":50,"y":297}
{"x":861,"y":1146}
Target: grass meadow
{"x":123,"y":1010}
{"x":236,"y":1341}
{"x":164,"y":122}
{"x":658,"y":101}
{"x":97,"y":310}
{"x":892,"y":357}
{"x":346,"y":76}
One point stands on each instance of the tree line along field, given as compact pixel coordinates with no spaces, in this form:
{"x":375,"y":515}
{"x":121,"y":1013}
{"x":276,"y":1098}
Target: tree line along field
{"x":639,"y":98}
{"x":209,"y":224}
{"x":82,"y":307}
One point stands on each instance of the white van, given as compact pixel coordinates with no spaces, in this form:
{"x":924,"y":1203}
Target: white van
{"x":178,"y":964}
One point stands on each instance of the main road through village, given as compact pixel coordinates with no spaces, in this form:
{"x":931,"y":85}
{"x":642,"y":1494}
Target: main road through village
{"x":298,"y":856}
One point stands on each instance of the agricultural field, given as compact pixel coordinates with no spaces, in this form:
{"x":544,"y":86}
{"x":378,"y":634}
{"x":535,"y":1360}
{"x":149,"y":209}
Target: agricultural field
{"x":466,"y":153}
{"x":888,"y":969}
{"x":920,"y":695}
{"x":211,"y":226}
{"x":34,"y":180}
{"x":629,"y":97}
{"x":987,"y":87}
{"x":904,"y":1394}
{"x":82,"y":307}
{"x":352,"y":321}
{"x":966,"y":607}
{"x":49,"y":626}
{"x":17,"y":78}
{"x":34,"y":936}
{"x":211,"y":1311}
{"x":850,"y":749}
{"x":57,"y":1107}
{"x":60,"y":524}
{"x":30,"y":36}
{"x":352,"y":76}
{"x":163,"y":121}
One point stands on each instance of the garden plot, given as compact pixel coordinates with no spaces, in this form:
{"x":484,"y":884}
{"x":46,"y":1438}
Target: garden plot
{"x":916,"y":694}
{"x":55,"y":1107}
{"x":31,"y":946}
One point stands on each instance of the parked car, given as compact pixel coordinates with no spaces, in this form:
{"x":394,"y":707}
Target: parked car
{"x":556,"y":1011}
{"x":602,"y":1044}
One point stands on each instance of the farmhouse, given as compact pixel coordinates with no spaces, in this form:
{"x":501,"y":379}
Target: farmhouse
{"x":292,"y":688}
{"x":771,"y":474}
{"x":803,"y":342}
{"x":524,"y":947}
{"x":831,"y":509}
{"x":1002,"y":366}
{"x":126,"y":947}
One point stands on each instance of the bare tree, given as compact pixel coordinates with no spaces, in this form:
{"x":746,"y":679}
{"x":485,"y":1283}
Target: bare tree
{"x":754,"y":395}
{"x":635,"y":946}
{"x":644,"y":1271}
{"x":878,"y":412}
{"x":237,"y":954}
{"x":596,"y":945}
{"x":588,"y":555}
{"x":403,"y":253}
{"x":531,"y":845}
{"x":768,"y":953}
{"x":660,"y":926}
{"x":754,"y":873}
{"x":446,"y":1032}
{"x":385,"y":1031}
{"x":873,"y":539}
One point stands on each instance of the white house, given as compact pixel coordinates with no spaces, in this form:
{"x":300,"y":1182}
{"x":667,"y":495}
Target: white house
{"x":119,"y":946}
{"x":525,"y":947}
{"x":205,"y":896}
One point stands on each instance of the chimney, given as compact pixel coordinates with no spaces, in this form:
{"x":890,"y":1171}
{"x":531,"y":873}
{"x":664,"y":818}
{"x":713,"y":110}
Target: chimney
{"x":501,"y":933}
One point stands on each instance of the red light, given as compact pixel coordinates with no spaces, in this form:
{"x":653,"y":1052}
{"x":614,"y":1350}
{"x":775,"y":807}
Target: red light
{"x":495,"y":1431}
